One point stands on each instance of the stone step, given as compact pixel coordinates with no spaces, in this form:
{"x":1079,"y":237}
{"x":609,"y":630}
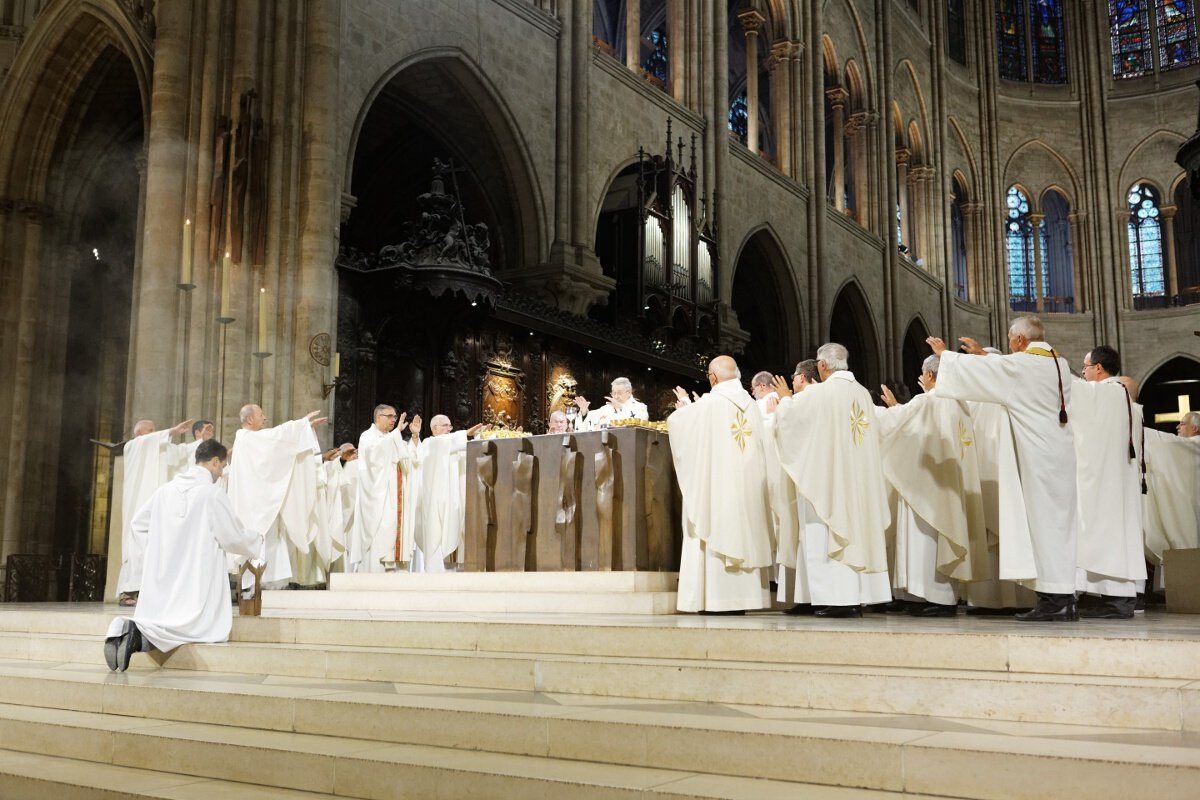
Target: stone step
{"x":508,"y":602}
{"x":565,"y":582}
{"x":1165,"y":704}
{"x":119,"y":756}
{"x":919,"y":754}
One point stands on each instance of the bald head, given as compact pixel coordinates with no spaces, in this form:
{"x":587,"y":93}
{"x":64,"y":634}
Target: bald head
{"x":440,"y":425}
{"x":252,"y":417}
{"x":142,"y":427}
{"x":723,"y":368}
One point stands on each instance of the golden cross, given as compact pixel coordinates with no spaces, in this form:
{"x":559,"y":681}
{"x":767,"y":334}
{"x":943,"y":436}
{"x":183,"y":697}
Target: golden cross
{"x":858,"y":423}
{"x":964,"y":441}
{"x":1185,"y":407}
{"x":740,"y":429}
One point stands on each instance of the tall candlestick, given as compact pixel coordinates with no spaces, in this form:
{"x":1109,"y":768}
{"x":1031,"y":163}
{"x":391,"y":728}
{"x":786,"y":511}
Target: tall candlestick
{"x":337,"y":365}
{"x":185,"y":269}
{"x":262,"y":320}
{"x":226,"y":288}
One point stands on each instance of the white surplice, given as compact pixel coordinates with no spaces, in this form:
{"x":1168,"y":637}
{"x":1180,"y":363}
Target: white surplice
{"x":1111,"y":550}
{"x":442,"y":505}
{"x":785,"y":514}
{"x":272,"y":483}
{"x":929,"y":460}
{"x":1172,"y":502}
{"x":185,"y":590}
{"x":150,"y":461}
{"x":828,"y":442}
{"x":717,"y":445}
{"x":376,"y":510}
{"x":991,"y":426}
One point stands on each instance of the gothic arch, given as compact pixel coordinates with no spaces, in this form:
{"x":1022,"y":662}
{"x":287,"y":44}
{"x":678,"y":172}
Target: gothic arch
{"x":1153,"y":158}
{"x":1036,"y":158}
{"x":845,"y":12}
{"x":851,"y":323}
{"x":767,"y":302}
{"x":475,"y":125}
{"x":971,"y":177}
{"x":1172,"y":377}
{"x":913,"y":352}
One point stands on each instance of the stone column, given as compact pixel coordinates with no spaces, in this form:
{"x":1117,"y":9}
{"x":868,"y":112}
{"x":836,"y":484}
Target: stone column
{"x":837,"y":101}
{"x":921,"y":178}
{"x":633,"y":34}
{"x":972,"y":214}
{"x":152,"y":362}
{"x":677,"y":44}
{"x":781,"y":114}
{"x":902,"y":156}
{"x":1036,"y":220}
{"x":581,"y":70}
{"x":752,"y":22}
{"x":1077,"y":221}
{"x":856,"y":135}
{"x":1168,"y":218}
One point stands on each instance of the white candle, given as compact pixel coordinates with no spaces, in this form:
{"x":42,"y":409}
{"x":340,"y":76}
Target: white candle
{"x":337,"y":365}
{"x":262,"y":320}
{"x":185,"y":271}
{"x":226,"y":287}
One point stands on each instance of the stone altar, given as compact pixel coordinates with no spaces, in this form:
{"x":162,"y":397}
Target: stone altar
{"x":600,"y":500}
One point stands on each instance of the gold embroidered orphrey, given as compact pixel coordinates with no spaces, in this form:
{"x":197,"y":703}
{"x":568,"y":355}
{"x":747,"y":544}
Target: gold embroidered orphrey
{"x":740,"y":428}
{"x":858,"y":423}
{"x":964,"y":440}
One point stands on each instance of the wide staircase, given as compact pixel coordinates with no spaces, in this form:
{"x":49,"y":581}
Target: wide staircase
{"x":422,"y":705}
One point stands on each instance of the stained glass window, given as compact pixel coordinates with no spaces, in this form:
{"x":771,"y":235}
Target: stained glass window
{"x":1049,"y":44}
{"x":1022,"y":263}
{"x":656,"y":63}
{"x":1139,"y":27}
{"x":1176,"y":34}
{"x":739,"y":118}
{"x":956,"y":31}
{"x":1010,"y":35}
{"x":1145,"y":242}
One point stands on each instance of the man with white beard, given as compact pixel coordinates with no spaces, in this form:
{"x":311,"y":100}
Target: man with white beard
{"x":717,"y":447}
{"x":149,"y":460}
{"x":385,"y":501}
{"x":1033,"y":385}
{"x":273,"y":485}
{"x":186,"y":525}
{"x":1108,"y":433}
{"x":441,"y":511}
{"x":929,"y":460}
{"x":829,"y":444}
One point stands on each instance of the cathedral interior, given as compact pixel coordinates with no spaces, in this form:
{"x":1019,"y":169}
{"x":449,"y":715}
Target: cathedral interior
{"x":485,"y":208}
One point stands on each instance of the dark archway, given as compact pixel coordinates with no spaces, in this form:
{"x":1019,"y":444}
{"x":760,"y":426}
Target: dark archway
{"x":850,"y":325}
{"x":913,"y":353}
{"x":1163,"y":392}
{"x":764,"y":298}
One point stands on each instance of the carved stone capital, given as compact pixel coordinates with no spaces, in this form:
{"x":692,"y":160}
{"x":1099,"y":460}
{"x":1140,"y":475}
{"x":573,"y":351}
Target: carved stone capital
{"x":972,"y":209}
{"x":861,"y":121}
{"x":903,"y":154}
{"x":733,"y":337}
{"x":921,"y":173}
{"x":837,"y":96}
{"x":1168,"y":212}
{"x":571,"y":279}
{"x":752,"y":22}
{"x":349,"y":203}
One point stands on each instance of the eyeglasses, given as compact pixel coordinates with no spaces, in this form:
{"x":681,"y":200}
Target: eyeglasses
{"x":389,"y":416}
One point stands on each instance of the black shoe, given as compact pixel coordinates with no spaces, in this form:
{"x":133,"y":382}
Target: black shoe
{"x":932,"y":610}
{"x":838,"y":612}
{"x":125,"y":649}
{"x":1104,"y":612}
{"x":894,"y":607}
{"x":1048,"y":612}
{"x":800,"y":610}
{"x":110,"y":652}
{"x":736,"y":613}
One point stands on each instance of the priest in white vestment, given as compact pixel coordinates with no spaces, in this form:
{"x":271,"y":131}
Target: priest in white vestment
{"x":763,"y":389}
{"x":717,"y":445}
{"x":1172,"y":501}
{"x":829,"y":443}
{"x":272,"y":483}
{"x":335,"y":497}
{"x":1108,"y":435}
{"x":559,"y":422}
{"x":202,"y":430}
{"x":939,"y":534}
{"x":785,"y":505}
{"x":150,"y":460}
{"x":185,"y":593}
{"x":1037,"y":461}
{"x":385,"y":503}
{"x":442,"y":504}
{"x":621,"y":405}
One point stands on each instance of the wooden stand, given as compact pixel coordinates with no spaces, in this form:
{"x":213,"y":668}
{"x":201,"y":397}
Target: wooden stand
{"x":250,"y":606}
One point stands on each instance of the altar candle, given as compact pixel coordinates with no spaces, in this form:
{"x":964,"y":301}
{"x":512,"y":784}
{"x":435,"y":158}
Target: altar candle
{"x":337,"y":365}
{"x":262,"y":320}
{"x":226,"y":286}
{"x":185,"y":271}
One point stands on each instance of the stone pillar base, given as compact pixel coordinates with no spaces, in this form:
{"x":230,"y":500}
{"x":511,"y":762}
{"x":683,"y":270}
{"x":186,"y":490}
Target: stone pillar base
{"x":571,"y":279}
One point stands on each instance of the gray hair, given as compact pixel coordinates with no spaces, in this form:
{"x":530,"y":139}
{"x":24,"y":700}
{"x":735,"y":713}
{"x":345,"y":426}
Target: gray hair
{"x":1191,"y":418}
{"x":763,"y":378}
{"x":244,"y":414}
{"x":835,"y":356}
{"x":622,"y":383}
{"x":1030,"y":327}
{"x":558,"y":414}
{"x":931,"y":364}
{"x":379,"y":409}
